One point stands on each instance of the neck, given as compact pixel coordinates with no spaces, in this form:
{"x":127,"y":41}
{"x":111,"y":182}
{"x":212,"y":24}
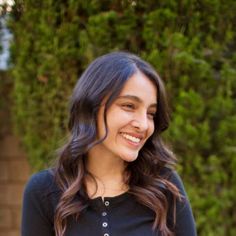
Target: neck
{"x":108,"y":173}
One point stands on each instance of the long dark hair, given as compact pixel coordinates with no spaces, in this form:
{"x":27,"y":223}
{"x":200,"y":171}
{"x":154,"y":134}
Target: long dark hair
{"x":105,"y":77}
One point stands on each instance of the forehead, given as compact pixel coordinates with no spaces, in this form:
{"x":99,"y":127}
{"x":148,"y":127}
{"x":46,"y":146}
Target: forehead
{"x":141,"y":86}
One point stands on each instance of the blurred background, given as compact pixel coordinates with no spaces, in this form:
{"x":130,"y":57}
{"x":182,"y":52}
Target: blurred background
{"x":46,"y":45}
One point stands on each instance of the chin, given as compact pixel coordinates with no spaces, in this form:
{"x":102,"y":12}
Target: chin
{"x":129,"y":157}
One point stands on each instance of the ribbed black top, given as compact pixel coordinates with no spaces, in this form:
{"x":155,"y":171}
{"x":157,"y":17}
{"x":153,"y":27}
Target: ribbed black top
{"x":121,"y":215}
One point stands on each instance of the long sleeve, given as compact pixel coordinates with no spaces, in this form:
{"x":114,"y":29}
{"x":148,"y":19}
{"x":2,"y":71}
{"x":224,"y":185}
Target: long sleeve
{"x":37,"y":210}
{"x":185,"y":224}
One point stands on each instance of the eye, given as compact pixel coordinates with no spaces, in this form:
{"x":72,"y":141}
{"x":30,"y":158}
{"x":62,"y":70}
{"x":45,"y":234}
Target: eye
{"x":151,"y":115}
{"x":128,"y":106}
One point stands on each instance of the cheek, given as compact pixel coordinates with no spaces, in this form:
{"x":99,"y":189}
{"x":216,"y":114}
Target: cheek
{"x":114,"y":124}
{"x":151,"y":128}
{"x":117,"y":118}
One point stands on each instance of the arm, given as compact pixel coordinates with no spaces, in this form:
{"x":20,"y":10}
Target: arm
{"x":36,"y":211}
{"x":185,"y":224}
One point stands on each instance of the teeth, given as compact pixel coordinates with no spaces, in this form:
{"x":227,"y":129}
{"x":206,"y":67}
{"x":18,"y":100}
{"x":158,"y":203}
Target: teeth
{"x":131,"y":138}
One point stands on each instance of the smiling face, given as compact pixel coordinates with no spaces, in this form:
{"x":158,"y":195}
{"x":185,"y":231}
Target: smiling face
{"x":130,"y":119}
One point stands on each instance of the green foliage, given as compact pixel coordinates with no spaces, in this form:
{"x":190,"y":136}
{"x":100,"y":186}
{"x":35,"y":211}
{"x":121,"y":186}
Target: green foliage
{"x":192,"y":45}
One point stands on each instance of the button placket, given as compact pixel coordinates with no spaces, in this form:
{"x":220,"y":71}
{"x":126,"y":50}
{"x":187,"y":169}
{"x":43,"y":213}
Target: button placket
{"x":104,"y":213}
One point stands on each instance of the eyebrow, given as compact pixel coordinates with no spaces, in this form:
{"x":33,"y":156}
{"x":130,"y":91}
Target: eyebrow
{"x":137,"y":99}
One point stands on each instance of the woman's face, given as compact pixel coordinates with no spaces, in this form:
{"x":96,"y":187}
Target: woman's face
{"x":130,"y":119}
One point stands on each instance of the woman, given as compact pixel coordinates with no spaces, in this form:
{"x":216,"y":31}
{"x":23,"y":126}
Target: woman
{"x":114,"y":177}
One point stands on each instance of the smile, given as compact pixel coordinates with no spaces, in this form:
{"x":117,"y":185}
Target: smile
{"x":131,"y":138}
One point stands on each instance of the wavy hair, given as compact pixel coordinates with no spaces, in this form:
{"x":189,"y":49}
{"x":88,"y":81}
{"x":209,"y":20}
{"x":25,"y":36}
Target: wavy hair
{"x":105,"y":77}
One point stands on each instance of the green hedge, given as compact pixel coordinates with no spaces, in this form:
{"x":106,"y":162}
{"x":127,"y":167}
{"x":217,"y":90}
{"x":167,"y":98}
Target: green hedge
{"x":192,"y":45}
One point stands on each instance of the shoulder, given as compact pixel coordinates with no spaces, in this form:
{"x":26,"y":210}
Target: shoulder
{"x":41,"y":194}
{"x":183,"y":221}
{"x":39,"y":201}
{"x":172,"y":176}
{"x":41,"y":182}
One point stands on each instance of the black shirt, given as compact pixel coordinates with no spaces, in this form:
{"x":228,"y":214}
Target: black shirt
{"x":114,"y":216}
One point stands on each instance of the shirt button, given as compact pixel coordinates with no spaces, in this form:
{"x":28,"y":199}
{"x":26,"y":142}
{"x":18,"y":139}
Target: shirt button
{"x":106,"y":235}
{"x":104,"y":213}
{"x":107,"y":203}
{"x":104,"y":224}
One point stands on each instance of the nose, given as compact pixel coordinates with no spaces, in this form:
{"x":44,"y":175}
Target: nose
{"x":140,"y":121}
